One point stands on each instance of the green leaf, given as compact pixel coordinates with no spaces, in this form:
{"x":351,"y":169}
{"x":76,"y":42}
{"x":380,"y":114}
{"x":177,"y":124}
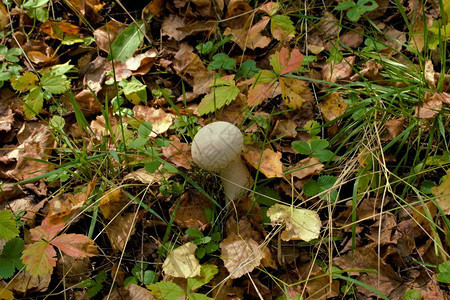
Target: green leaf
{"x":311,"y":188}
{"x":302,"y":147}
{"x":55,"y":84}
{"x":57,"y":123}
{"x":222,"y":61}
{"x":197,"y":296}
{"x":412,"y":295}
{"x":130,"y":280}
{"x":345,"y":5}
{"x":152,"y":166}
{"x":426,"y":186}
{"x":219,"y":97}
{"x":25,"y":82}
{"x":139,"y":142}
{"x":167,"y":290}
{"x":34,"y":102}
{"x":247,"y":69}
{"x":200,"y":252}
{"x":207,"y":272}
{"x":211,"y":247}
{"x":194,"y":232}
{"x":94,"y":290}
{"x":354,"y":13}
{"x":282,"y":27}
{"x":127,"y":42}
{"x":318,"y":144}
{"x":149,"y":277}
{"x":6,"y":268}
{"x":324,"y":155}
{"x":145,"y":129}
{"x":444,"y":272}
{"x":12,"y":251}
{"x":86,"y":283}
{"x":265,"y":195}
{"x":8,"y":228}
{"x":134,"y":90}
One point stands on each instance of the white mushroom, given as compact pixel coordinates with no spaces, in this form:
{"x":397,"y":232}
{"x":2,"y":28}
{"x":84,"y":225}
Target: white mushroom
{"x":217,"y":147}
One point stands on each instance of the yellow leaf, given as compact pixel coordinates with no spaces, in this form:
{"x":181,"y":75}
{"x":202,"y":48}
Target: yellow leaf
{"x":268,"y":163}
{"x":332,"y":107}
{"x":295,"y":92}
{"x":442,"y":192}
{"x":25,"y":82}
{"x":181,"y":262}
{"x":301,"y":224}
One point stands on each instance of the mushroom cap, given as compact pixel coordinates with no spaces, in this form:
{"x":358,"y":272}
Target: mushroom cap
{"x":217,"y":145}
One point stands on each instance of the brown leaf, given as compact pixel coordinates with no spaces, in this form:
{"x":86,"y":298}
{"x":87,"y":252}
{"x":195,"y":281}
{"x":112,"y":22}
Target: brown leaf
{"x":113,"y":203}
{"x":139,"y":293}
{"x":354,"y":38}
{"x":65,"y":204}
{"x":395,"y":127}
{"x":431,"y":106}
{"x":107,"y":33}
{"x":49,"y":27}
{"x":191,"y":211}
{"x":341,"y":71}
{"x":161,"y":121}
{"x":295,"y":92}
{"x":178,"y":153}
{"x":23,"y":283}
{"x":442,"y":192}
{"x":307,"y":167}
{"x":417,"y":37}
{"x":4,"y":19}
{"x":143,"y":176}
{"x":318,"y":285}
{"x":267,"y":162}
{"x":240,"y":256}
{"x":284,"y":129}
{"x":365,"y":258}
{"x":74,"y":270}
{"x":260,"y":92}
{"x":332,"y":107}
{"x":329,"y":25}
{"x":121,"y":229}
{"x":190,"y":67}
{"x":250,"y":38}
{"x":171,"y":26}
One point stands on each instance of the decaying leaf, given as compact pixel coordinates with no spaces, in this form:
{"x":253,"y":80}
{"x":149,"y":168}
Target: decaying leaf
{"x":267,"y":162}
{"x":178,"y":153}
{"x":442,"y":192}
{"x":161,"y":121}
{"x":285,"y":128}
{"x":240,"y":256}
{"x":113,"y":203}
{"x":301,"y":224}
{"x":181,"y":262}
{"x":121,"y":229}
{"x":107,"y":33}
{"x":307,"y":167}
{"x":395,"y":127}
{"x":336,"y":72}
{"x":250,"y":38}
{"x":431,"y":105}
{"x":332,"y":107}
{"x":191,"y":211}
{"x":295,"y":92}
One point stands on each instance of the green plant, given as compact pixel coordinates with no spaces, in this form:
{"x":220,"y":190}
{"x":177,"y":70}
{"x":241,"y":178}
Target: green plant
{"x":8,"y":66}
{"x":171,"y":291}
{"x":314,"y":148}
{"x":141,"y":275}
{"x":94,"y":285}
{"x":8,"y":226}
{"x":50,"y":82}
{"x":356,"y":10}
{"x":205,"y":244}
{"x":324,"y":183}
{"x":222,"y":61}
{"x":10,"y":257}
{"x":444,"y":272}
{"x":186,"y":124}
{"x":224,"y":90}
{"x":36,"y":9}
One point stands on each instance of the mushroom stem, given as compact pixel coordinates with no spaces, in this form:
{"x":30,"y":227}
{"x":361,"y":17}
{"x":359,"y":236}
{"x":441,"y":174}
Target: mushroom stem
{"x":235,"y":180}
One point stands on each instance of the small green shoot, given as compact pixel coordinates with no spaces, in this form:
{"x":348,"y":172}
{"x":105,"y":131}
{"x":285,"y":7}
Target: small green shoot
{"x":356,"y":10}
{"x":94,"y":285}
{"x":141,"y":275}
{"x":323,"y":183}
{"x":315,"y":148}
{"x":205,"y":244}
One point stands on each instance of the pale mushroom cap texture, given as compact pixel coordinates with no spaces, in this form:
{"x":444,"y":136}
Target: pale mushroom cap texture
{"x":217,"y":145}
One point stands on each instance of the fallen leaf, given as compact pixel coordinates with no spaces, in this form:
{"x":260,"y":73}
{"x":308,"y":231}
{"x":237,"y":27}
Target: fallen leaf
{"x":307,"y":167}
{"x":171,"y":25}
{"x":295,"y":92}
{"x":121,"y":228}
{"x":442,"y":192}
{"x":429,"y":74}
{"x":267,"y":162}
{"x":240,"y":256}
{"x":24,"y":283}
{"x":143,"y":176}
{"x":332,"y":107}
{"x":395,"y":127}
{"x":65,"y":204}
{"x":56,"y":28}
{"x":432,"y":104}
{"x":262,"y":91}
{"x":75,"y":245}
{"x":301,"y":224}
{"x":190,"y":67}
{"x":4,"y":19}
{"x":178,"y":153}
{"x":285,"y":61}
{"x":329,"y":25}
{"x":250,"y":38}
{"x":417,"y":36}
{"x":113,"y":203}
{"x":161,"y":121}
{"x":74,"y":270}
{"x":39,"y":258}
{"x":107,"y":33}
{"x":341,"y":71}
{"x":191,"y":211}
{"x":181,"y":262}
{"x":354,"y":38}
{"x":284,"y":129}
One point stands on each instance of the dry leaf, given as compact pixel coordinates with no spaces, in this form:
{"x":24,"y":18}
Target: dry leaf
{"x":191,"y":211}
{"x":431,"y":106}
{"x":442,"y":192}
{"x":429,"y":74}
{"x":284,"y":129}
{"x":181,"y":262}
{"x":107,"y":33}
{"x":301,"y":224}
{"x":121,"y":229}
{"x":240,"y":256}
{"x":295,"y":92}
{"x":4,"y":19}
{"x":250,"y":38}
{"x":332,"y":107}
{"x":307,"y":167}
{"x":171,"y":27}
{"x":178,"y":153}
{"x":329,"y":25}
{"x":113,"y":203}
{"x":336,"y":72}
{"x":23,"y":283}
{"x":269,"y":163}
{"x":417,"y":37}
{"x":160,"y":120}
{"x":395,"y":127}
